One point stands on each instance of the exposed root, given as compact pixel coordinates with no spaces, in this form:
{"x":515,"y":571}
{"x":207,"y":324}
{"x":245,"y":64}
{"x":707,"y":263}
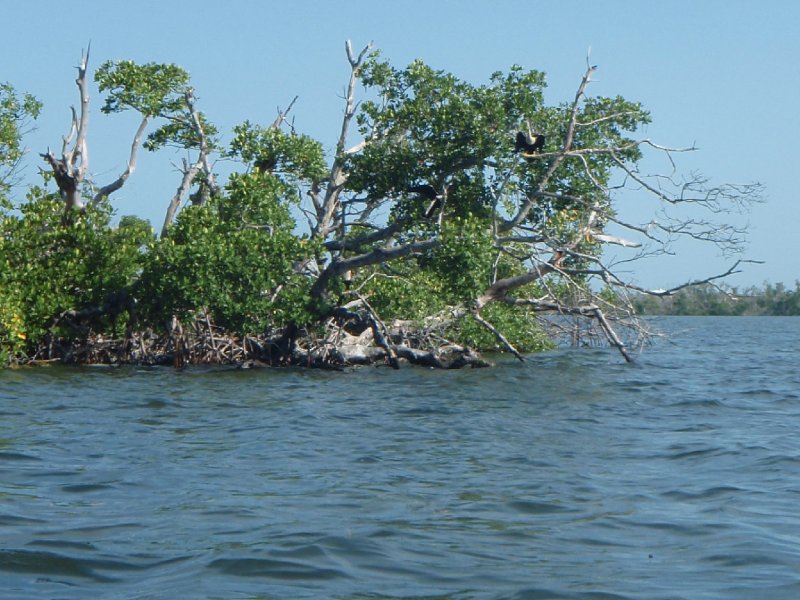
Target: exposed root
{"x":348,"y":339}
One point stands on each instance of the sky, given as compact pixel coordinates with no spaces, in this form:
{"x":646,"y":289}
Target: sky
{"x":721,"y":75}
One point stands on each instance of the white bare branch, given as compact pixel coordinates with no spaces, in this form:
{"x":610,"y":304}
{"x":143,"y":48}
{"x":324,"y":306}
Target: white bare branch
{"x":189,"y":173}
{"x":205,"y":147}
{"x":66,"y":140}
{"x":282,"y":114}
{"x":112,"y":187}
{"x":567,"y":146}
{"x":330,"y":202}
{"x":70,"y":171}
{"x":81,"y":149}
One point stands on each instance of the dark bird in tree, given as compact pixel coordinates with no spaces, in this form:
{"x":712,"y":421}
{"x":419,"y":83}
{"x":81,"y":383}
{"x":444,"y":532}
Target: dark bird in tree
{"x":266,"y":164}
{"x":428,"y":192}
{"x":529,"y":144}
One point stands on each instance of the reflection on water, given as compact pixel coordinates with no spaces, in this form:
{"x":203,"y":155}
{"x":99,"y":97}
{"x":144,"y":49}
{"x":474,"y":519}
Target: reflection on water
{"x":571,"y":476}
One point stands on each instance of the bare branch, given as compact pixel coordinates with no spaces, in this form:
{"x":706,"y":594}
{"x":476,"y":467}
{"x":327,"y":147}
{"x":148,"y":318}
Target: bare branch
{"x":70,"y":135}
{"x":189,"y":173}
{"x":567,"y":146}
{"x":81,"y":149}
{"x":355,"y":63}
{"x":336,"y":178}
{"x":500,"y":288}
{"x":357,"y":148}
{"x":497,"y":334}
{"x":612,"y":336}
{"x":112,"y":187}
{"x":67,"y":182}
{"x":661,"y":293}
{"x":380,"y":333}
{"x":70,"y":170}
{"x":374,"y":257}
{"x":607,"y":118}
{"x":591,"y":311}
{"x":197,"y":125}
{"x":610,"y":239}
{"x":380,"y":234}
{"x":282,"y":114}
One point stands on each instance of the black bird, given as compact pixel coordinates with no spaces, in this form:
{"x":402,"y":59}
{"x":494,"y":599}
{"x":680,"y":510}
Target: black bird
{"x":529,"y":144}
{"x":266,"y":164}
{"x":428,"y":192}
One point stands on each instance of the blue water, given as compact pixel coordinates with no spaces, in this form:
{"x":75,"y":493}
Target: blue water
{"x":573,"y":475}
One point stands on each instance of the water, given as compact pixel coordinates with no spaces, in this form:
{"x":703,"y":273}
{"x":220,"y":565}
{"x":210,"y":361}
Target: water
{"x":572,"y":476}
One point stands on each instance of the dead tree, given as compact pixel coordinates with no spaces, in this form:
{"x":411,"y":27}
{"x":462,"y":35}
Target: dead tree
{"x":70,"y":170}
{"x":327,"y":210}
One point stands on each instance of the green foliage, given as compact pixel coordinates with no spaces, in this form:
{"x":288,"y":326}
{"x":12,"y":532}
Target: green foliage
{"x":13,"y":335}
{"x":181,"y":133}
{"x":402,"y":292}
{"x":16,"y":110}
{"x":154,"y":90}
{"x":428,"y":127}
{"x":431,"y":128}
{"x":778,"y":300}
{"x":519,"y":326}
{"x":234,"y":257}
{"x":291,"y":156}
{"x":49,"y":265}
{"x":463,"y":260}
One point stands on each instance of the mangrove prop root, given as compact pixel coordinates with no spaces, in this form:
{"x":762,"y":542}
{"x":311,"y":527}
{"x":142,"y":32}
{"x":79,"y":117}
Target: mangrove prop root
{"x":200,"y":342}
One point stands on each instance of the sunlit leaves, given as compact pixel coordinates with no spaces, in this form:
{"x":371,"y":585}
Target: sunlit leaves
{"x":463,"y":260}
{"x":429,"y":127}
{"x":49,"y":265}
{"x":290,"y":155}
{"x":437,"y":163}
{"x":256,"y":200}
{"x":233,"y":257}
{"x":424,"y":127}
{"x":152,"y":89}
{"x":519,"y":326}
{"x":401,"y":292}
{"x":181,"y":132}
{"x":16,"y":111}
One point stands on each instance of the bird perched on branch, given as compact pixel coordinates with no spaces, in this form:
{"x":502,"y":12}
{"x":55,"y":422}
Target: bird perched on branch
{"x":266,"y":164}
{"x":528,"y":144}
{"x":428,"y":192}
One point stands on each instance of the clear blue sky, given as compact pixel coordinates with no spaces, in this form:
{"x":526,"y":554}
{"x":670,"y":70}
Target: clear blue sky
{"x":721,"y":74}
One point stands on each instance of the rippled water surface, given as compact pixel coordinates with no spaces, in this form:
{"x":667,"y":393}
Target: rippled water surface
{"x":571,"y":476}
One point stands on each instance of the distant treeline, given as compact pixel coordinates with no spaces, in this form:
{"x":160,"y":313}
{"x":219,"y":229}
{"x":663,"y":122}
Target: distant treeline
{"x":771,"y":300}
